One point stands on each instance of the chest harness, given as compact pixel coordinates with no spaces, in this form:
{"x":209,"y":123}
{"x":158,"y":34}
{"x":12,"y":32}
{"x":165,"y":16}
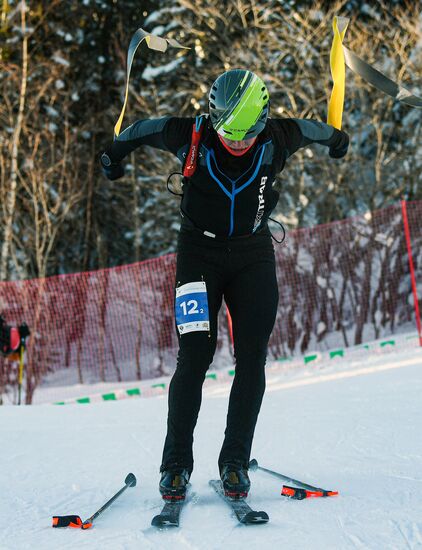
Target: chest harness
{"x":191,"y":159}
{"x":190,"y":164}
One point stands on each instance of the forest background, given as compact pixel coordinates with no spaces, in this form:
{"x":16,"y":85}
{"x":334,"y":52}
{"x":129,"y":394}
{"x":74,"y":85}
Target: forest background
{"x":62,"y":77}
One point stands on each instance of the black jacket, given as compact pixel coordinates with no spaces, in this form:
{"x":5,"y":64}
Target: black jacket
{"x":227,"y":196}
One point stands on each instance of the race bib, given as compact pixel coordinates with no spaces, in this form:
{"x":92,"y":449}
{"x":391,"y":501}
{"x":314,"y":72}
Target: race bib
{"x":192,"y":308}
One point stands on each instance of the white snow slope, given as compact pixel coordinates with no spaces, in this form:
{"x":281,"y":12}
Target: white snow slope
{"x":357,"y":431}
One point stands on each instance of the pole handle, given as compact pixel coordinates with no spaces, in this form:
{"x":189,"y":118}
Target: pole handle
{"x":130,"y":480}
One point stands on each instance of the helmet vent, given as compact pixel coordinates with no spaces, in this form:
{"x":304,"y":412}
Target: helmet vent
{"x":224,"y":96}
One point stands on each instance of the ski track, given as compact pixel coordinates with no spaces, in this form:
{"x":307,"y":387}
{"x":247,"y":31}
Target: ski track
{"x":360,"y":435}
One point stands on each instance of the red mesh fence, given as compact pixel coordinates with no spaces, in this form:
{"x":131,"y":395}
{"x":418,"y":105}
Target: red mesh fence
{"x":346,"y":282}
{"x":340,"y":284}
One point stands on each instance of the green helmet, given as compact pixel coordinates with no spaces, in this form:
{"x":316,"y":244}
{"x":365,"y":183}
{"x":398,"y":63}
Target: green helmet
{"x":238,"y":104}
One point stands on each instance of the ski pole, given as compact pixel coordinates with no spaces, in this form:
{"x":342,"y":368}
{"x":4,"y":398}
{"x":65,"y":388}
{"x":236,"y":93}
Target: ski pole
{"x":305,"y":490}
{"x":21,"y":367}
{"x":23,"y":333}
{"x":76,"y":522}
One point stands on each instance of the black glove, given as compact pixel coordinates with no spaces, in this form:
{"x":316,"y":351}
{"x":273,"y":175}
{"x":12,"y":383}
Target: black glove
{"x":111,"y":170}
{"x":24,"y":331}
{"x":340,"y":150}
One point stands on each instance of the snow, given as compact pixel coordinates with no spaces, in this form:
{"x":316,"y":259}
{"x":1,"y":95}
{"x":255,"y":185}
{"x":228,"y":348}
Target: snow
{"x":352,"y":427}
{"x":57,"y":58}
{"x":150,"y":73}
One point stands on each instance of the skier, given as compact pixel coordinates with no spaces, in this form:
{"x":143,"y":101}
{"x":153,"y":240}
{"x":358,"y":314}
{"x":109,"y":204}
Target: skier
{"x":224,"y":250}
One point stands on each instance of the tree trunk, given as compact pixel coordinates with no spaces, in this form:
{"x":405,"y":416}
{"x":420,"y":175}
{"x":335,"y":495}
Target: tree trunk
{"x":11,"y":195}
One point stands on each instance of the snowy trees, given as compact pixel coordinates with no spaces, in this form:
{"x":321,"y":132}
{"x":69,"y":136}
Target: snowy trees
{"x":58,"y":214}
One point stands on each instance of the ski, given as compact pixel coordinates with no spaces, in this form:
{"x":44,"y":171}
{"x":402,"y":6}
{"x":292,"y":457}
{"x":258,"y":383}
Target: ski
{"x":244,"y":513}
{"x":169,"y":515}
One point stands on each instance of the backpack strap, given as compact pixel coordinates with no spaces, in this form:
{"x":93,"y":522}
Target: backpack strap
{"x":191,"y":161}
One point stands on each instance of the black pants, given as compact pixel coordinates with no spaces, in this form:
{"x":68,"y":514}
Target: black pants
{"x":243,"y":271}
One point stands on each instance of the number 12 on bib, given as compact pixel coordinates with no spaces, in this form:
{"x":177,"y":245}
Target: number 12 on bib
{"x":192,"y":308}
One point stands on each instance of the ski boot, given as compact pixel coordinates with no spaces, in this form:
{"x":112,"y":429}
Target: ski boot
{"x":173,"y":483}
{"x":235,"y":480}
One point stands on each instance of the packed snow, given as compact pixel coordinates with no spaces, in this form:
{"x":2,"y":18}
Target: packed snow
{"x":356,"y":430}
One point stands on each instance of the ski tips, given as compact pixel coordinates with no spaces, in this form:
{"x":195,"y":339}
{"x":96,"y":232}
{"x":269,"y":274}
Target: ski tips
{"x":244,"y":513}
{"x":130,"y":480}
{"x":255,"y":517}
{"x":253,"y":464}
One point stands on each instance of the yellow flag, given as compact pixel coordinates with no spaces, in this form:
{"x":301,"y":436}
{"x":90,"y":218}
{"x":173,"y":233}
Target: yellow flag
{"x":338,"y":72}
{"x":154,"y":43}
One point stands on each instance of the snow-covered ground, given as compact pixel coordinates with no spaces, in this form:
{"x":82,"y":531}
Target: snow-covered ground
{"x":352,"y":428}
{"x":61,"y":386}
